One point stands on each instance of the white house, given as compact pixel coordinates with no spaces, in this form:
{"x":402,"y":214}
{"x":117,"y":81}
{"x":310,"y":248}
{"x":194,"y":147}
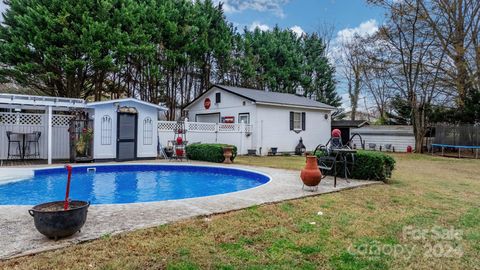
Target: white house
{"x":278,"y":120}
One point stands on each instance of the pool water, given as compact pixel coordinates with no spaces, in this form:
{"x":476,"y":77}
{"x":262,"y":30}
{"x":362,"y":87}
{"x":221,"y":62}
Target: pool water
{"x":112,"y":184}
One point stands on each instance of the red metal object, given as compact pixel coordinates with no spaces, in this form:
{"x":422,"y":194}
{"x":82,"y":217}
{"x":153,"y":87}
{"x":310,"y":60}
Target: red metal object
{"x":409,"y":149}
{"x":336,"y":133}
{"x":69,"y":169}
{"x":207,"y":103}
{"x":179,"y":140}
{"x":179,"y":152}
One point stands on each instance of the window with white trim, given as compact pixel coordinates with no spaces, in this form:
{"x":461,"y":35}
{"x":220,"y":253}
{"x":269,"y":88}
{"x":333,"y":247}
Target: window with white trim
{"x":245,"y":117}
{"x":297,"y":121}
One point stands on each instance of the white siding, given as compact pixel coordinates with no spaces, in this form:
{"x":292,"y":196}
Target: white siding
{"x":399,"y":137}
{"x":109,"y":151}
{"x":273,"y":125}
{"x":230,"y":105}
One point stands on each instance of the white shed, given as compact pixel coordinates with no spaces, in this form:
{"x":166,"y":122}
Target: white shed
{"x":278,"y":120}
{"x":125,"y":129}
{"x":399,"y":137}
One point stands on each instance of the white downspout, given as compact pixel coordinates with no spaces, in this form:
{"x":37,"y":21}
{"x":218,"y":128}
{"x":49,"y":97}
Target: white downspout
{"x":49,"y":139}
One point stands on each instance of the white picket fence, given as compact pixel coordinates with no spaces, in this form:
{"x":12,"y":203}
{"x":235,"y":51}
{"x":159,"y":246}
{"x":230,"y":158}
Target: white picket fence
{"x":199,"y":132}
{"x":31,"y":122}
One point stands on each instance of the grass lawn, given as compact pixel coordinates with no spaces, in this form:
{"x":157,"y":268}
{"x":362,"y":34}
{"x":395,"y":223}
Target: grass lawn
{"x":364,"y":228}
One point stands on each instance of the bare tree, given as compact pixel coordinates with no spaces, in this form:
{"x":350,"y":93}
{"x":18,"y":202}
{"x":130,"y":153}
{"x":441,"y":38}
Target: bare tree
{"x":351,"y":62}
{"x":413,"y":65}
{"x":455,"y":24}
{"x":377,"y":80}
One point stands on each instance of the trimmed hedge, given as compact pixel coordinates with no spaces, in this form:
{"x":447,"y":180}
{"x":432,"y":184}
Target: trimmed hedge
{"x":211,"y":152}
{"x":373,"y":166}
{"x":370,"y":165}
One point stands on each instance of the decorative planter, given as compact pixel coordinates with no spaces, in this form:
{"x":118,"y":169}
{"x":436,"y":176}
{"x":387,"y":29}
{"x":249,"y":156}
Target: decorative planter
{"x":274,"y":150}
{"x":54,"y":222}
{"x":311,"y":174}
{"x":228,"y":153}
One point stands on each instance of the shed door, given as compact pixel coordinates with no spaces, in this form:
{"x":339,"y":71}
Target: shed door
{"x":126,"y":136}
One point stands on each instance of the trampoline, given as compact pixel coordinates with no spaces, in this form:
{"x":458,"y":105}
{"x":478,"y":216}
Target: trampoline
{"x":455,"y":138}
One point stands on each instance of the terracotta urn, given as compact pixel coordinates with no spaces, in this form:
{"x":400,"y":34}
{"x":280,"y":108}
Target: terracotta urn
{"x":228,"y":153}
{"x":311,"y":174}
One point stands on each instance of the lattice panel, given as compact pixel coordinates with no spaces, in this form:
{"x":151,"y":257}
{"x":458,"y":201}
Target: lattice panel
{"x":8,"y":118}
{"x":248,"y":128}
{"x":228,"y":127}
{"x":61,"y":120}
{"x":30,"y":119}
{"x":167,"y":125}
{"x":202,"y":127}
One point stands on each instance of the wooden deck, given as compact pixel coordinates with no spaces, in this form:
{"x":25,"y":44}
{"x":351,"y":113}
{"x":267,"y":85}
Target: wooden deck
{"x":28,"y":162}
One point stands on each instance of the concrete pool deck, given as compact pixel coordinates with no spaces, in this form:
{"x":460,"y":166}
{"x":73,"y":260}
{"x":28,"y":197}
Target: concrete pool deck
{"x":19,"y":236}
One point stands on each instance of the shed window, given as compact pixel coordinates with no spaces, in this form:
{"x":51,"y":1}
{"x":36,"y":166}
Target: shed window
{"x":147,"y":131}
{"x":297,"y":121}
{"x":218,"y":98}
{"x":245,"y":117}
{"x":106,"y":130}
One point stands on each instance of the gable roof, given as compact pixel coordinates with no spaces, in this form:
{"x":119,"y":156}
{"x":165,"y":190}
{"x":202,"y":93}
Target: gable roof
{"x":93,"y":104}
{"x":269,"y":98}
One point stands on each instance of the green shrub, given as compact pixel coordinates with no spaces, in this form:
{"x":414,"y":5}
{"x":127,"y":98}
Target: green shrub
{"x":368,"y":165}
{"x":373,"y":166}
{"x":211,"y":152}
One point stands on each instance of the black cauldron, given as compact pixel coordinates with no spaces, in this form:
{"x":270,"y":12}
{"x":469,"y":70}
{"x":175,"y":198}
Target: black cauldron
{"x":54,"y":222}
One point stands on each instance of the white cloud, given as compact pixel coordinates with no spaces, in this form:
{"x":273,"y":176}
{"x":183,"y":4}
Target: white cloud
{"x":297,"y":30}
{"x":260,"y":26}
{"x":364,"y":29}
{"x":274,"y":6}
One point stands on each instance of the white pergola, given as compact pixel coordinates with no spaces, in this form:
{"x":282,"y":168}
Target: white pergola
{"x":15,"y":102}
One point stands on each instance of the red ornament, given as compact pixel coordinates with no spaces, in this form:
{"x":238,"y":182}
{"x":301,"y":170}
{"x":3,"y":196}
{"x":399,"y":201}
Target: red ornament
{"x":179,"y":152}
{"x":207,"y":103}
{"x":336,"y":133}
{"x":179,"y":140}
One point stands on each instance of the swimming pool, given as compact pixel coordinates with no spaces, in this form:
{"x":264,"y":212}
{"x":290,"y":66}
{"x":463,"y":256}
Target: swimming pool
{"x":129,"y":183}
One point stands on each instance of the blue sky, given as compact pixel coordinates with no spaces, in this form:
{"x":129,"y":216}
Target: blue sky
{"x":306,"y":14}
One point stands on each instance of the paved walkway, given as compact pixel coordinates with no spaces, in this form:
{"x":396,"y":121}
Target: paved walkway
{"x":19,"y":236}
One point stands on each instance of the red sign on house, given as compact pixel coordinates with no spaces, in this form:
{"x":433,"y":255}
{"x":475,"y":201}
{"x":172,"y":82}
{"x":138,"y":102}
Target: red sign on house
{"x":207,"y":103}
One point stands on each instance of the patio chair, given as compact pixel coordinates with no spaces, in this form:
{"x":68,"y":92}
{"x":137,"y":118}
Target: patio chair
{"x":14,"y":139}
{"x":32,"y":141}
{"x":327,"y":159}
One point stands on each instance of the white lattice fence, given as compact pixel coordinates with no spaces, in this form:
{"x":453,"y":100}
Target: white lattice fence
{"x":28,"y":123}
{"x":236,"y":134}
{"x":61,"y":120}
{"x":201,"y":127}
